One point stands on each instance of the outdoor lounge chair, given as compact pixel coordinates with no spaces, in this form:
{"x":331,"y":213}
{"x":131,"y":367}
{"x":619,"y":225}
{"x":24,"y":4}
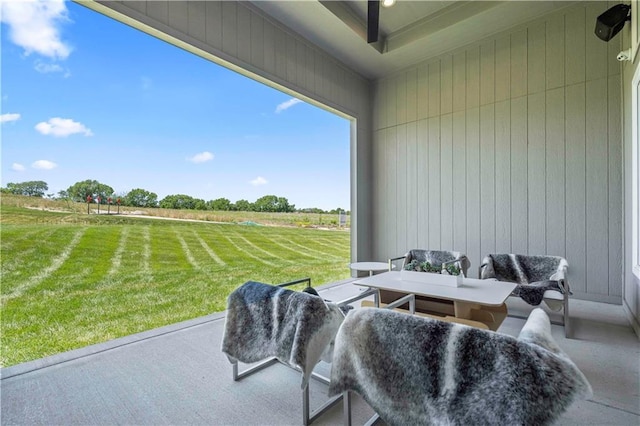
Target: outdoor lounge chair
{"x":413,"y":370}
{"x":538,"y":277}
{"x":269,"y":324}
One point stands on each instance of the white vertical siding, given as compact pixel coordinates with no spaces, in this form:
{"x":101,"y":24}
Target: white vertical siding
{"x":517,"y":149}
{"x":422,"y":177}
{"x":446,"y":182}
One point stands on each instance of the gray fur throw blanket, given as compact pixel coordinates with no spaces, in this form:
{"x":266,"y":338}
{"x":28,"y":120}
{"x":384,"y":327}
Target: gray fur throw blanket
{"x":413,"y":370}
{"x":265,"y":321}
{"x":533,"y":274}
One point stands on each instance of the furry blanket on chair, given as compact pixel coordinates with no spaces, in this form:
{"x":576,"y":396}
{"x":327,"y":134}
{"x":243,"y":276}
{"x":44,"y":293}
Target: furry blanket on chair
{"x":264,"y":321}
{"x":533,"y":274}
{"x":533,"y":293}
{"x":415,"y":370}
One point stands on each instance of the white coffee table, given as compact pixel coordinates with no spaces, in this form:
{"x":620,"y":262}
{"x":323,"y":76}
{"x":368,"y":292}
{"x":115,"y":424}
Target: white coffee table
{"x":472,"y":294}
{"x":369,"y":266}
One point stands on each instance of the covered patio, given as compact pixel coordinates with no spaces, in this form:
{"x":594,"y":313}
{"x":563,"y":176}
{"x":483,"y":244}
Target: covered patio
{"x":178,"y":375}
{"x":482,"y":127}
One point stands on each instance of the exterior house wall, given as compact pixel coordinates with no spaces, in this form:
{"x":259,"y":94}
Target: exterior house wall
{"x":631,"y":283}
{"x":239,"y":36}
{"x":509,"y":145}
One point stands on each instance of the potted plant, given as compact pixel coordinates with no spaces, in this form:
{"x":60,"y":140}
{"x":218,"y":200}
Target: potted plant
{"x":446,"y":274}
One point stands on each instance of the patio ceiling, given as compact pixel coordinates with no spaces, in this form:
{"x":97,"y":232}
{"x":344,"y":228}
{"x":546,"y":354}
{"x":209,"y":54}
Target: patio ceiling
{"x":410,"y":31}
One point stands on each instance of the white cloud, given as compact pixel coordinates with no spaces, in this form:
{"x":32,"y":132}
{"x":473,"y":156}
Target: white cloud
{"x":201,"y":157}
{"x":62,"y":127}
{"x":17,"y":167}
{"x":34,"y":26}
{"x":287,"y":104}
{"x":44,"y":165}
{"x":258,"y":181}
{"x":5,"y":118}
{"x":45,"y":68}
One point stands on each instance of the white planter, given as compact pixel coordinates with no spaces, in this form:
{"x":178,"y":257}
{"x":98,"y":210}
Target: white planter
{"x":431,"y":278}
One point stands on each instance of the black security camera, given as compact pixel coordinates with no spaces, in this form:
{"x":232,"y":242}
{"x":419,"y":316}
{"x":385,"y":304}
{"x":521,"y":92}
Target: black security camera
{"x":611,"y":22}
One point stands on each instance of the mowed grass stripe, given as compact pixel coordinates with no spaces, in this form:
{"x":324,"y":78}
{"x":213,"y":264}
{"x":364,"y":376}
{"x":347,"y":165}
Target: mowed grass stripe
{"x":88,"y":265}
{"x":305,"y":249}
{"x":167,"y":253}
{"x":234,"y":254}
{"x":289,"y":247}
{"x":55,"y":264}
{"x":265,"y":238}
{"x":15,"y":255}
{"x":187,"y":251}
{"x":331,"y":244}
{"x":248,"y":253}
{"x":201,"y":254}
{"x":146,"y":269}
{"x":116,"y":260}
{"x":214,"y":237}
{"x":41,"y":255}
{"x":134,"y":261}
{"x":212,"y":254}
{"x":15,"y":236}
{"x":258,"y":248}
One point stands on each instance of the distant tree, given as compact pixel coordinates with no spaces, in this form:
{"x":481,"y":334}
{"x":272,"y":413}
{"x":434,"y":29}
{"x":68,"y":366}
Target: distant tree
{"x":283,"y":205}
{"x":271,"y":203}
{"x":200,"y":204}
{"x":140,"y":198}
{"x":63,"y":194}
{"x":34,"y":188}
{"x":79,"y":191}
{"x":221,"y":204}
{"x":266,"y":204}
{"x":243,"y":206}
{"x":180,"y":201}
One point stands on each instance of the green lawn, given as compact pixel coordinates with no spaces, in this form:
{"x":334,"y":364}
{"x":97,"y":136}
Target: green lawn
{"x":70,"y":280}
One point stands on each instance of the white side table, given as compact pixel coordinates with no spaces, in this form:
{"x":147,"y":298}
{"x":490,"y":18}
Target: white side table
{"x":369,"y":266}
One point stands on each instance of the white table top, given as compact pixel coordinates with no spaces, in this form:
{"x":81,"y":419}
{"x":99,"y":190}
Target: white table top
{"x":484,"y":292}
{"x":369,"y":266}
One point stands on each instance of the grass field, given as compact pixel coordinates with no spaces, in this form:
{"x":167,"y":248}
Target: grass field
{"x":71,"y":279}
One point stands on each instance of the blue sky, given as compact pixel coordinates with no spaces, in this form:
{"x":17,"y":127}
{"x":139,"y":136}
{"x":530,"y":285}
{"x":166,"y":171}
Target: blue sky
{"x":86,"y":97}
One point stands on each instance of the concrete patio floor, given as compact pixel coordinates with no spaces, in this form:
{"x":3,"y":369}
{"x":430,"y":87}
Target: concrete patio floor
{"x":177,"y":375}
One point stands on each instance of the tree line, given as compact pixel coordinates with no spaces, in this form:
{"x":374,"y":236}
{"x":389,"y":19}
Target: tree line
{"x":102,"y":193}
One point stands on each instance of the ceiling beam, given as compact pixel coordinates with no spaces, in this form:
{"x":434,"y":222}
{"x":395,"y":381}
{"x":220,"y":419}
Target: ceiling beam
{"x":353,"y":21}
{"x":373,"y":20}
